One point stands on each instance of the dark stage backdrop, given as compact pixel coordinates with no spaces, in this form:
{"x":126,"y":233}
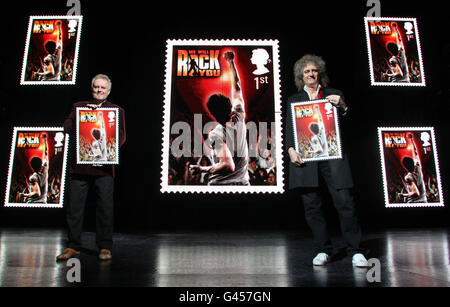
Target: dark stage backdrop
{"x":127,"y":40}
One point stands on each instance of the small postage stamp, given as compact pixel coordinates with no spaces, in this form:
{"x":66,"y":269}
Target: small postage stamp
{"x":97,"y":136}
{"x":51,"y":50}
{"x":395,"y":55}
{"x":410,"y":167}
{"x":37,"y":168}
{"x":316,"y":130}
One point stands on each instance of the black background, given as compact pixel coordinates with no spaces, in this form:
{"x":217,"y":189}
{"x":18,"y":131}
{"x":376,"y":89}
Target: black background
{"x":127,"y":41}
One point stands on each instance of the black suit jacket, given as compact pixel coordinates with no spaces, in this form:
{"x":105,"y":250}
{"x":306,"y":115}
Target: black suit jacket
{"x":307,"y":175}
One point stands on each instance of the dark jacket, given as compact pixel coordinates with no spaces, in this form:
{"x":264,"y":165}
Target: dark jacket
{"x":307,"y":175}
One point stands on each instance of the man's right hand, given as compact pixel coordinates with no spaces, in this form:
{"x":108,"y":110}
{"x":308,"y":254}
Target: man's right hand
{"x":295,"y":157}
{"x":92,"y":106}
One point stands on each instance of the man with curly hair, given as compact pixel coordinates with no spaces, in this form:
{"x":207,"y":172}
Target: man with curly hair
{"x":312,"y":82}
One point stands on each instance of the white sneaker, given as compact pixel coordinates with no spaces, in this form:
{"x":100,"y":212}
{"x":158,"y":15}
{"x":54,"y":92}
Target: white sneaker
{"x":359,"y":261}
{"x":321,"y":259}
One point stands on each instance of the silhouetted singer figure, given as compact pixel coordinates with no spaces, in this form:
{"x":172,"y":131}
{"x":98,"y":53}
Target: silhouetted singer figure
{"x":318,"y":142}
{"x":415,"y":185}
{"x":193,"y":66}
{"x":230,"y":161}
{"x":52,"y":62}
{"x":397,"y":62}
{"x":38,"y":187}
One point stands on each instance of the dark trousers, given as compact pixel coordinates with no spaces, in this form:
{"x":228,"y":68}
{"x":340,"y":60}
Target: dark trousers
{"x":345,"y":205}
{"x":78,"y":191}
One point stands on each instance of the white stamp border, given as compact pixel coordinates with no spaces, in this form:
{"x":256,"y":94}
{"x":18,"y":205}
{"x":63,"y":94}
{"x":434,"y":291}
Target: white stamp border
{"x":27,"y":43}
{"x":10,"y":168}
{"x":165,"y":151}
{"x":369,"y":52}
{"x":384,"y":175}
{"x":77,"y":140}
{"x":336,"y":123}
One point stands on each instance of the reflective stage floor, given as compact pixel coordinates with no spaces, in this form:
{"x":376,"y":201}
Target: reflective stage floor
{"x":416,"y":258}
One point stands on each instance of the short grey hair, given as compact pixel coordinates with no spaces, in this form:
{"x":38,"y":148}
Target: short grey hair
{"x":101,"y":76}
{"x":300,"y":65}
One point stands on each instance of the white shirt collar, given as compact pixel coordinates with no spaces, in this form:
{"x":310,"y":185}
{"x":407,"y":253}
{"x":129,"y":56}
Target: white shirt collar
{"x":309,"y":94}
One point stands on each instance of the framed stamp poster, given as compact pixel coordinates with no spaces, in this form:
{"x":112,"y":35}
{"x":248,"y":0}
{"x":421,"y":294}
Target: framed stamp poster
{"x":97,"y":136}
{"x":316,"y":130}
{"x":395,"y":56}
{"x":51,"y":50}
{"x":37,"y":168}
{"x":410,"y":167}
{"x":222,"y":117}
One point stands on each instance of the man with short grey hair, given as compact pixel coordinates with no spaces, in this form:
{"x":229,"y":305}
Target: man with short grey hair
{"x":99,"y":177}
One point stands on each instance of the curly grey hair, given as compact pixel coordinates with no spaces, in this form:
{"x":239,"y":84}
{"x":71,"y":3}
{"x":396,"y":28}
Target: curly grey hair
{"x":300,"y":65}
